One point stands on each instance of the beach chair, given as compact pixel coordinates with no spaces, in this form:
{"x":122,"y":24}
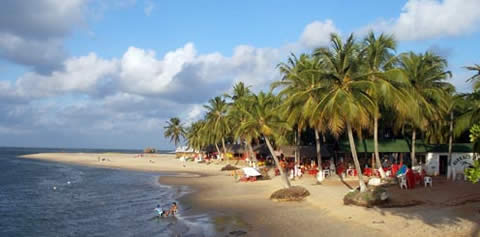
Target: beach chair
{"x":402,"y":181}
{"x":427,"y":180}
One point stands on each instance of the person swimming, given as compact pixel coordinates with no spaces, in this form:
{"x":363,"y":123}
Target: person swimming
{"x":159,"y":211}
{"x":173,"y":209}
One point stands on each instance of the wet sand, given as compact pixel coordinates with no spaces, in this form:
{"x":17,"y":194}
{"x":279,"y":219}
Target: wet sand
{"x":246,"y":207}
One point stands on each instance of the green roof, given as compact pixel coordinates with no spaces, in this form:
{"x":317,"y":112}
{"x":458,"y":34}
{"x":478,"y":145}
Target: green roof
{"x":403,"y":145}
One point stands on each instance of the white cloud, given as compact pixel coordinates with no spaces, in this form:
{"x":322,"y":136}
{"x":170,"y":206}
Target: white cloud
{"x":32,"y":31}
{"x":424,"y":19}
{"x":80,"y":74}
{"x":149,"y":6}
{"x":141,"y":72}
{"x":317,"y":33}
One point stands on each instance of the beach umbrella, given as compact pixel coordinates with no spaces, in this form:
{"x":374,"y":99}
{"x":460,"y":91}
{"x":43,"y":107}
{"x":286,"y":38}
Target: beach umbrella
{"x":251,"y":172}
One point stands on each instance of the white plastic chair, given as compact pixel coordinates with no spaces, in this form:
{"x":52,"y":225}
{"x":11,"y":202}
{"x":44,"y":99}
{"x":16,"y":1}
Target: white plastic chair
{"x":427,"y":180}
{"x":326,"y":173}
{"x":403,"y":182}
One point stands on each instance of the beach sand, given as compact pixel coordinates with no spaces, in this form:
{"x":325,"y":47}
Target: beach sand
{"x":246,"y":207}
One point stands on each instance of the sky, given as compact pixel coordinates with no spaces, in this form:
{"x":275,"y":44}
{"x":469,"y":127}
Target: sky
{"x":109,"y":73}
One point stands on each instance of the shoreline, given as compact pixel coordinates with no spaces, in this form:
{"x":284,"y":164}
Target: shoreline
{"x":246,"y":205}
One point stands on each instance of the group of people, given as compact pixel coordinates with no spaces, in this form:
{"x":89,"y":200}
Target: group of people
{"x":163,"y":213}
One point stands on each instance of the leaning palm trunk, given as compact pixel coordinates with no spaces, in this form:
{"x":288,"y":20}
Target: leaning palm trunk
{"x":319,"y":153}
{"x":377,"y":154}
{"x":363,"y":187}
{"x":284,"y":176}
{"x":450,"y":144}
{"x":218,"y":149}
{"x":412,"y":155}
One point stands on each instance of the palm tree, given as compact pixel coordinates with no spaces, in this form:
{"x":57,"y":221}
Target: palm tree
{"x":427,"y":74}
{"x":344,"y":87}
{"x":389,"y":85}
{"x":263,"y":120}
{"x":174,"y":130}
{"x":195,"y":135}
{"x":475,"y":78}
{"x":471,"y":112}
{"x":236,"y":116}
{"x":293,"y":82}
{"x":300,"y":78}
{"x":217,"y":120}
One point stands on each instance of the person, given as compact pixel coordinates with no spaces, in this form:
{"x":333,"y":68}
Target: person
{"x":173,"y":209}
{"x":159,"y":211}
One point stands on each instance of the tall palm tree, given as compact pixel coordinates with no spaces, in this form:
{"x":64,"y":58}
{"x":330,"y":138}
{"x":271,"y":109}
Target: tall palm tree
{"x":217,"y":120}
{"x":195,"y":136}
{"x":427,"y":74}
{"x":475,"y":78}
{"x":292,"y":106}
{"x":471,"y":112}
{"x":263,"y":120}
{"x":236,"y":116}
{"x":389,"y":86}
{"x":345,"y":101}
{"x":300,"y":78}
{"x":174,"y":130}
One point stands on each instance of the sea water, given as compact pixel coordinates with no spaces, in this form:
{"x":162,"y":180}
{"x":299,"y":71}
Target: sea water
{"x":40,"y":198}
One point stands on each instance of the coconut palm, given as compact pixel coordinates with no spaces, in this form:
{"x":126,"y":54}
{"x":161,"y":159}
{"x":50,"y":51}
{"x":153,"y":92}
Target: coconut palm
{"x":217,"y":120}
{"x":293,"y":82}
{"x":195,"y":135}
{"x":475,"y":78}
{"x":344,"y":87}
{"x":236,"y":116}
{"x":300,"y":78}
{"x":389,"y":89}
{"x":427,"y":74}
{"x":174,"y":130}
{"x":263,"y":120}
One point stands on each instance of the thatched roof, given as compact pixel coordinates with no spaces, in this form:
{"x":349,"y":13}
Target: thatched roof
{"x":305,"y":151}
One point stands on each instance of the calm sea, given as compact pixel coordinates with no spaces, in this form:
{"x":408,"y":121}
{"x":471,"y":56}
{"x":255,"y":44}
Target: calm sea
{"x":86,"y":201}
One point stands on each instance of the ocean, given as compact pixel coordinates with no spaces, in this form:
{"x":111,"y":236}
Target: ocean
{"x":40,"y":198}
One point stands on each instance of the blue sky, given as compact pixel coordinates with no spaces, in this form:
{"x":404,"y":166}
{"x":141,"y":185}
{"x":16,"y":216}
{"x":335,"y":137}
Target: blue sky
{"x":91,"y":73}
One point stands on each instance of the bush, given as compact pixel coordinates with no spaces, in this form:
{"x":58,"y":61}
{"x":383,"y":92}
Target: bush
{"x":294,"y":193}
{"x":372,"y":197}
{"x":473,"y":174}
{"x":229,"y":167}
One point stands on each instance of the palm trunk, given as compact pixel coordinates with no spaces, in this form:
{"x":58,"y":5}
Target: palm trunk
{"x":375,"y":141}
{"x":319,"y":152}
{"x":450,"y":144}
{"x":297,"y":138}
{"x":218,"y":149}
{"x":224,"y":148}
{"x":284,"y":176}
{"x":412,"y":154}
{"x":252,"y":154}
{"x":363,"y":187}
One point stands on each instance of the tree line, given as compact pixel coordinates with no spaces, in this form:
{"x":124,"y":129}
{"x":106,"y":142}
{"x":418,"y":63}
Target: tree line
{"x":348,"y":87}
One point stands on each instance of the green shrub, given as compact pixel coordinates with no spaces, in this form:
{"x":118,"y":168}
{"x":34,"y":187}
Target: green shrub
{"x":473,"y":174}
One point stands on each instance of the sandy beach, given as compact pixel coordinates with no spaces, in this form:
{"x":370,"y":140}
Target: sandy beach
{"x":247,"y":206}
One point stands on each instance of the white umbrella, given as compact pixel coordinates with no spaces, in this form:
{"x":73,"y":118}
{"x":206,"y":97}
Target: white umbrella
{"x":251,"y":172}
